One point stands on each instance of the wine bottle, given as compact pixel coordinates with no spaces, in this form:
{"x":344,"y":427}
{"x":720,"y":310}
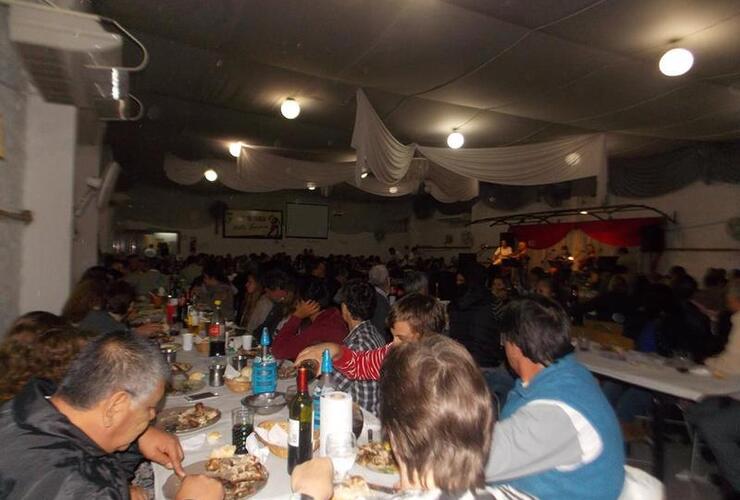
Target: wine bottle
{"x":325,"y":385}
{"x":300,"y":429}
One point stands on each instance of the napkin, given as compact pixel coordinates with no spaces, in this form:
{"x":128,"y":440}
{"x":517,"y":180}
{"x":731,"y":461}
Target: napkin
{"x":254,"y":447}
{"x":193,"y":442}
{"x":276,"y":436}
{"x":231,"y":372}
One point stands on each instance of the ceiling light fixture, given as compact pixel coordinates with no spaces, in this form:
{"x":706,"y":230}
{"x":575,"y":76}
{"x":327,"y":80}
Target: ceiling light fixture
{"x":455,"y":140}
{"x":364,"y":174}
{"x":676,"y":62}
{"x":311,"y":186}
{"x":393,"y":189}
{"x":235,"y":148}
{"x":584,"y":212}
{"x":573,"y":159}
{"x":210,"y":175}
{"x":290,"y":108}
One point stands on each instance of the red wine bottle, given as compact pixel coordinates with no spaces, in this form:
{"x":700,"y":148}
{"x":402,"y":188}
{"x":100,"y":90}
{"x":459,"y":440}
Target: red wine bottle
{"x":300,"y":424}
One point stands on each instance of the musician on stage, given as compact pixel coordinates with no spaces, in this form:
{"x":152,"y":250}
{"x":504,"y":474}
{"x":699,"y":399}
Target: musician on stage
{"x":502,"y":253}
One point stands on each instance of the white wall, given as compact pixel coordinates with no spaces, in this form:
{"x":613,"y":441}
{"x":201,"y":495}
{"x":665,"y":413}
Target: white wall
{"x":45,"y":272}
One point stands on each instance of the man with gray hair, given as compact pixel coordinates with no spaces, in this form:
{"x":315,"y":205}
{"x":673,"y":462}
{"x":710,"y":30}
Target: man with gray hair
{"x":381,"y":280}
{"x":85,"y":439}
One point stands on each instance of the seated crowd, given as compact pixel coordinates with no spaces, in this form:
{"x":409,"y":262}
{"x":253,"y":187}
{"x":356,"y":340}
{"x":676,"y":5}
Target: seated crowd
{"x":484,"y":353}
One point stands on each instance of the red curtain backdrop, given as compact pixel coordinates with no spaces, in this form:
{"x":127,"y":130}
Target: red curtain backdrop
{"x":616,"y":232}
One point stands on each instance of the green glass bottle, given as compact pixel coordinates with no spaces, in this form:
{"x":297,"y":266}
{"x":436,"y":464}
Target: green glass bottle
{"x":300,"y":423}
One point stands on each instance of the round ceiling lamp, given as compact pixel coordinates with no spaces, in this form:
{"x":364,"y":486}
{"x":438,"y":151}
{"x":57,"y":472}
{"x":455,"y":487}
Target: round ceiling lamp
{"x":676,"y":62}
{"x":311,"y":186}
{"x":584,"y":212}
{"x":290,"y":108}
{"x":210,"y":175}
{"x":235,"y":148}
{"x":393,"y":189}
{"x":455,"y":140}
{"x":364,"y":174}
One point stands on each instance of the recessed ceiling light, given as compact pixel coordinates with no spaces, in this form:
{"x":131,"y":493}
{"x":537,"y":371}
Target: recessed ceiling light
{"x":676,"y":62}
{"x":210,"y":175}
{"x":573,"y":159}
{"x":235,"y":148}
{"x":455,"y":140}
{"x":364,"y":175}
{"x":393,"y":189}
{"x":584,"y":212}
{"x":290,"y":108}
{"x":311,"y":186}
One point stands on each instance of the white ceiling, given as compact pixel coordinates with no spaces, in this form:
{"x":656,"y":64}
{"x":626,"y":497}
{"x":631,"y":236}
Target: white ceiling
{"x":503,"y":71}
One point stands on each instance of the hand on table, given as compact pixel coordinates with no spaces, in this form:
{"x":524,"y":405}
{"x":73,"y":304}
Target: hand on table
{"x":163,"y":448}
{"x":200,"y":487}
{"x":315,"y":352}
{"x":314,"y":478}
{"x":148,"y":329}
{"x":306,"y":308}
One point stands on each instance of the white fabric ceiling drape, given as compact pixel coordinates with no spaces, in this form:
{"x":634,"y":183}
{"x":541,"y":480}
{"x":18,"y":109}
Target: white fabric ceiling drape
{"x":448,"y":175}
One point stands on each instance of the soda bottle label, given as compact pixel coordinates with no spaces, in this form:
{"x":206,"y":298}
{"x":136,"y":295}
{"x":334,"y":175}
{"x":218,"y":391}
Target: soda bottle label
{"x":214,"y":330}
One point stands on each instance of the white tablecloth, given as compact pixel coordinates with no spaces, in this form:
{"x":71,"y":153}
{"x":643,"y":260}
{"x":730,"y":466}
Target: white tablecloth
{"x":278,"y":485}
{"x":648,"y":372}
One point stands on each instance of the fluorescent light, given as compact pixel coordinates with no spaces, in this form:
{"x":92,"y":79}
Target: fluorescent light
{"x":393,"y":189}
{"x":115,"y":85}
{"x":311,"y":186}
{"x":235,"y":148}
{"x":455,"y":140}
{"x":584,"y":212}
{"x":676,"y":62}
{"x":290,"y":108}
{"x":364,"y":175}
{"x":210,"y":175}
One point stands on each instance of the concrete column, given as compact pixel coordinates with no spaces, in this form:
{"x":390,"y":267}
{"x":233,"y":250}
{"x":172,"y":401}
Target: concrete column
{"x":48,"y":191}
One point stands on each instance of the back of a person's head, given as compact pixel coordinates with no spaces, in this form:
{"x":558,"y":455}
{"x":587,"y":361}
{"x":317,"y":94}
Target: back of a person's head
{"x":215,"y":271}
{"x":438,"y":412}
{"x":119,"y":296}
{"x":733,"y":289}
{"x":28,"y":327}
{"x":685,"y":287}
{"x":277,"y":279}
{"x":618,"y":284}
{"x":538,"y":326}
{"x":95,"y":273}
{"x":714,"y":278}
{"x":416,"y":282}
{"x":425,"y":314}
{"x":316,"y":290}
{"x":119,"y":361}
{"x":359,"y":298}
{"x":378,"y":275}
{"x":85,"y":296}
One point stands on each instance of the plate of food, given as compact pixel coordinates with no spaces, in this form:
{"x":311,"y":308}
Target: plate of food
{"x":185,"y":419}
{"x":243,"y":476}
{"x":185,"y":386}
{"x":377,"y":457}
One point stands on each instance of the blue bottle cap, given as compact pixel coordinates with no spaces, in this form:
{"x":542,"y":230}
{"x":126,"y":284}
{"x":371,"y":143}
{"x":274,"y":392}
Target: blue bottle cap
{"x":326,"y":364}
{"x":265,"y":339}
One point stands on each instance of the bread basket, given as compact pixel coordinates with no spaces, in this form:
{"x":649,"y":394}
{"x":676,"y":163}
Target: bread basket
{"x":276,"y":450}
{"x":238,"y":386}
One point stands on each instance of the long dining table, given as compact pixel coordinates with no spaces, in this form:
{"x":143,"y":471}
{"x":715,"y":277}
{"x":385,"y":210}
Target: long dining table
{"x":278,"y":483}
{"x":667,"y":383}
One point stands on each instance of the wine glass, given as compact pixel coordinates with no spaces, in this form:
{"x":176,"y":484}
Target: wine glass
{"x":341,"y":448}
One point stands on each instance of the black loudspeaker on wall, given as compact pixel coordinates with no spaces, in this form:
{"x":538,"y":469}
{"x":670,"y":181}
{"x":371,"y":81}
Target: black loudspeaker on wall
{"x":652,"y":238}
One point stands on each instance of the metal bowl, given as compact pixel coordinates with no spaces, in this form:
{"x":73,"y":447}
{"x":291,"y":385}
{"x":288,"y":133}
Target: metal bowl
{"x":266,"y":403}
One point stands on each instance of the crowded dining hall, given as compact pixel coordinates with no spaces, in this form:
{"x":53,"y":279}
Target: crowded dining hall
{"x":365,"y":250}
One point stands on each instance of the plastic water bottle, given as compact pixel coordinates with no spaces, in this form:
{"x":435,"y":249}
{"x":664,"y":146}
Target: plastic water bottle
{"x":325,"y":385}
{"x":264,"y":369}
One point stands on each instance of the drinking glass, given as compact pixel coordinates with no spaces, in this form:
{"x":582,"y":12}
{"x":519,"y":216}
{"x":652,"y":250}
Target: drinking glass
{"x":341,"y":448}
{"x":242,"y":425}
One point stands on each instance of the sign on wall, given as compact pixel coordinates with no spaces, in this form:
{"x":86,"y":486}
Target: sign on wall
{"x":266,"y":224}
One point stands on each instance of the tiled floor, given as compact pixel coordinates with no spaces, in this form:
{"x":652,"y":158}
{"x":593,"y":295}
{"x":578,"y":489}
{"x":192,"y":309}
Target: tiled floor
{"x":677,"y":459}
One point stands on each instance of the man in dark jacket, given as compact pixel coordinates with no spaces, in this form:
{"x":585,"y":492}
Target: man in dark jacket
{"x":84,"y":439}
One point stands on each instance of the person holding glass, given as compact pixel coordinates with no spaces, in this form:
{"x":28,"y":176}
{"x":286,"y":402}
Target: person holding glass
{"x":426,"y":386}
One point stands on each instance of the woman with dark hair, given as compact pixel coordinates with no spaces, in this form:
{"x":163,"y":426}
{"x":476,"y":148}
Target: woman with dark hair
{"x":428,"y":386}
{"x":313,"y":321}
{"x":86,"y":296}
{"x":27,"y":328}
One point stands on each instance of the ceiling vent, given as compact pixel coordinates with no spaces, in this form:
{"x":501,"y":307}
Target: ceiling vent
{"x":73,"y":60}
